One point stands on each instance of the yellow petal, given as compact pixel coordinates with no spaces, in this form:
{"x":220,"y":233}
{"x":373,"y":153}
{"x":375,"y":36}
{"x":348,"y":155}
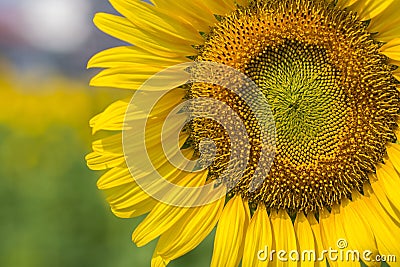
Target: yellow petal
{"x":124,"y":77}
{"x":140,"y":157}
{"x":222,"y":7}
{"x":112,"y":118}
{"x":230,"y":235}
{"x":193,"y":12}
{"x":168,"y":101}
{"x":258,"y":238}
{"x":114,"y":143}
{"x":340,"y":235}
{"x":383,"y":200}
{"x":243,"y":3}
{"x":114,"y":177}
{"x":328,"y":232}
{"x":163,"y":216}
{"x":122,"y":175}
{"x":396,"y":74}
{"x":124,"y":30}
{"x":102,"y":161}
{"x":369,"y":9}
{"x":334,"y":236}
{"x":111,"y":144}
{"x":131,"y":56}
{"x":393,"y":151}
{"x":127,"y":199}
{"x":387,"y":23}
{"x":115,"y":157}
{"x":390,"y":180}
{"x":345,"y":3}
{"x":359,"y":234}
{"x":284,"y":238}
{"x":316,"y":230}
{"x":117,"y":115}
{"x":189,"y":231}
{"x":151,"y":19}
{"x":152,"y":78}
{"x":305,"y":241}
{"x":158,"y":261}
{"x":134,"y":211}
{"x":392,"y":49}
{"x":386,"y":231}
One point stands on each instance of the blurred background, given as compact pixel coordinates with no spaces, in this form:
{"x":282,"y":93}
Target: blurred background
{"x":52,"y":212}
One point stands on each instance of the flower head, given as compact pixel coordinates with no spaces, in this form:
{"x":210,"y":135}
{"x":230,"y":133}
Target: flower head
{"x":305,"y":144}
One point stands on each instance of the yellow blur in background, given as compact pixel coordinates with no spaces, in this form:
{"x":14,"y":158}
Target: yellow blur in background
{"x":52,"y":213}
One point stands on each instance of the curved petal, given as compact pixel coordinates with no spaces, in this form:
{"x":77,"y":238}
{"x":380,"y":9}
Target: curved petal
{"x":383,"y":200}
{"x":193,"y":12}
{"x":358,"y":232}
{"x":127,"y":77}
{"x":316,"y":230}
{"x":151,"y":19}
{"x":189,"y":231}
{"x":222,"y":7}
{"x":328,"y":233}
{"x":116,"y":115}
{"x":139,"y":209}
{"x":158,"y":261}
{"x":351,"y":260}
{"x":131,"y":56}
{"x":116,"y":154}
{"x":369,"y":9}
{"x":243,"y":3}
{"x":392,"y":49}
{"x":385,"y":229}
{"x":115,"y":177}
{"x":112,"y":118}
{"x":123,"y":29}
{"x":284,"y":239}
{"x":230,"y":235}
{"x":127,"y":199}
{"x":393,"y":151}
{"x":387,"y":23}
{"x":345,"y":3}
{"x":390,"y":180}
{"x":101,"y":161}
{"x":305,"y":241}
{"x":258,"y":238}
{"x":396,"y":75}
{"x":163,"y":216}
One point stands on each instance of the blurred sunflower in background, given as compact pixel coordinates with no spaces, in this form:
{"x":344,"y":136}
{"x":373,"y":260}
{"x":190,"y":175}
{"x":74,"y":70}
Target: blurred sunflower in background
{"x":329,"y":70}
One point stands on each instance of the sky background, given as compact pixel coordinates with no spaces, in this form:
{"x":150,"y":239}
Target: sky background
{"x":45,"y":36}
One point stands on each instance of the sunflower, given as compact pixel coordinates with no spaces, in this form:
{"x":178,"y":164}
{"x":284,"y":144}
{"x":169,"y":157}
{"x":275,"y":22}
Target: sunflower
{"x":329,"y":73}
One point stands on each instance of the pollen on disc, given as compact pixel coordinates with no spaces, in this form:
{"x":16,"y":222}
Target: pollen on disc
{"x":332,"y":94}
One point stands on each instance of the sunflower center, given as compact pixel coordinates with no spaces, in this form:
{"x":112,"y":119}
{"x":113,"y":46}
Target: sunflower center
{"x":331,"y":92}
{"x":302,"y":89}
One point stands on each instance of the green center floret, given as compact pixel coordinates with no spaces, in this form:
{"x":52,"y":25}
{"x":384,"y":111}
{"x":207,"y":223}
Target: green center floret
{"x":308,"y":105}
